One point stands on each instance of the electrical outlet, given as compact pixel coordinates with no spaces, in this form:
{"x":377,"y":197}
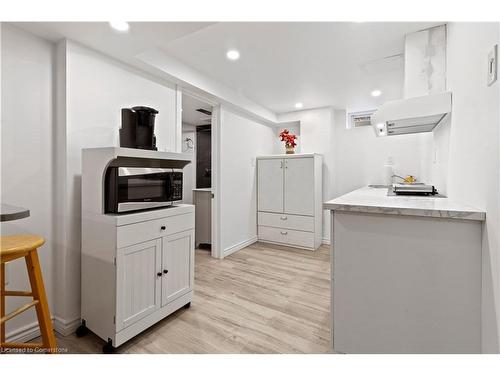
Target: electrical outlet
{"x":492,"y":65}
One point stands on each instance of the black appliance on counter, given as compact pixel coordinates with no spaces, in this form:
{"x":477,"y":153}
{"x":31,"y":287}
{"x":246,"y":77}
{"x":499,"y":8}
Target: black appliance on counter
{"x":131,"y":189}
{"x":414,"y":189}
{"x":138,"y":128}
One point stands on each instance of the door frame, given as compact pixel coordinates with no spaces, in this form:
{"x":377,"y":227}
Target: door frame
{"x":216,"y":183}
{"x":216,"y":249}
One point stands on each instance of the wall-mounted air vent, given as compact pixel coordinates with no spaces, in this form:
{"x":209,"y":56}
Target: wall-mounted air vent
{"x":357,"y":119}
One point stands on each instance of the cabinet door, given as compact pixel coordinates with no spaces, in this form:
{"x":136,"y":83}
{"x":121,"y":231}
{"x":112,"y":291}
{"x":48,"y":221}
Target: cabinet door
{"x":270,"y":185}
{"x":299,"y":186}
{"x":138,"y":283}
{"x":178,"y":265}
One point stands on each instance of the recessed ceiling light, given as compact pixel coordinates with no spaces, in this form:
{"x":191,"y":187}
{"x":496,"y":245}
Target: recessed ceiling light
{"x":233,"y":55}
{"x":376,"y":93}
{"x":121,"y":26}
{"x":299,"y":105}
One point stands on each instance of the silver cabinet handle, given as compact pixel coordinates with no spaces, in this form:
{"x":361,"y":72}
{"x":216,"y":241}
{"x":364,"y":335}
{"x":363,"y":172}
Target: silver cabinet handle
{"x":284,"y":232}
{"x":281,"y":164}
{"x":284,"y":218}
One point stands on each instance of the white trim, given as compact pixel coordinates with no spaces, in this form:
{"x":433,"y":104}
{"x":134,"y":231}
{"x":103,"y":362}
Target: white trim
{"x":282,"y":244}
{"x":200,"y":96}
{"x":326,"y":241}
{"x":239,"y":246}
{"x":216,"y":185}
{"x":66,"y":327}
{"x":24,"y":334}
{"x":32,"y":330}
{"x":178,"y":119}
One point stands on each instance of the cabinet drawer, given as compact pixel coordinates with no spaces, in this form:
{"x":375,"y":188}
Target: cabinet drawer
{"x":287,"y":236}
{"x":297,"y":222}
{"x":148,"y":230}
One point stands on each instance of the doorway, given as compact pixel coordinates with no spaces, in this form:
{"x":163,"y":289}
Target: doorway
{"x":198,"y":187}
{"x":204,"y":156}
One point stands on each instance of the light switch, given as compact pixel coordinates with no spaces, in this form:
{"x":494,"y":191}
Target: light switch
{"x":492,"y":65}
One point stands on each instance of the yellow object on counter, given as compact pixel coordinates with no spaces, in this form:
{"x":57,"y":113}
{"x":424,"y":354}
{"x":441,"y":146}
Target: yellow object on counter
{"x":410,"y":179}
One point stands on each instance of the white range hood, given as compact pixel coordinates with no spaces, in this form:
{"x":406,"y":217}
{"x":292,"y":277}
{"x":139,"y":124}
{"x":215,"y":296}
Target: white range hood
{"x":426,"y":103}
{"x":413,"y":115}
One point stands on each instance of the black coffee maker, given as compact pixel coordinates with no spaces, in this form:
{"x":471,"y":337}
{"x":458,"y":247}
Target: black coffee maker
{"x":138,"y":128}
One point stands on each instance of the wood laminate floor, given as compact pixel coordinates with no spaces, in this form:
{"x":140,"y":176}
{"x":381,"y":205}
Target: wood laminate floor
{"x":261,"y":299}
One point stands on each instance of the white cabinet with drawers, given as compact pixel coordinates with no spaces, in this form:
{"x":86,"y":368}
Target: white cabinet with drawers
{"x":136,"y":267}
{"x":289,"y":196}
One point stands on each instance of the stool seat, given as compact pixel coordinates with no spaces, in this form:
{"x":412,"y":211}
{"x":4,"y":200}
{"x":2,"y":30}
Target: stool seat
{"x":25,"y":246}
{"x":19,"y":244}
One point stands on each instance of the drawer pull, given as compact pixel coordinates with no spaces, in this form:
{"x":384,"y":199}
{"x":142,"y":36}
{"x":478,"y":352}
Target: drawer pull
{"x":163,"y":227}
{"x":159,"y":274}
{"x":284,"y":232}
{"x":165,"y":271}
{"x":284,"y":218}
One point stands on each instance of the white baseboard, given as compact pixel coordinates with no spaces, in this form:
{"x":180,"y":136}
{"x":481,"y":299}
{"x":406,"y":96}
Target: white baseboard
{"x":24,"y":334}
{"x":66,"y":327}
{"x":326,"y":241}
{"x":239,"y":246}
{"x":32,"y":330}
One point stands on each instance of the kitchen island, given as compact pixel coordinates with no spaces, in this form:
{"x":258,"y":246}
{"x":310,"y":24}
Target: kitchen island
{"x":406,"y":274}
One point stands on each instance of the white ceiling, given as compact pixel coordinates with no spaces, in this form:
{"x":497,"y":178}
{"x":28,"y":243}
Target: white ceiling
{"x":319,"y":64}
{"x":98,"y":35}
{"x":190,"y":115}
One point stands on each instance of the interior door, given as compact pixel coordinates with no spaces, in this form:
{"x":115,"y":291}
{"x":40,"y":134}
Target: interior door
{"x":270,"y":185}
{"x":138,"y":282}
{"x":178,"y":261}
{"x":299,"y":186}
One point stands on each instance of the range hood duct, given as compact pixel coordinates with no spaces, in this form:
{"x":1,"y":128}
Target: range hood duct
{"x":427,"y":104}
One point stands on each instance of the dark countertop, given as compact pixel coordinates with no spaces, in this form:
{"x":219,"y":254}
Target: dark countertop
{"x":8,"y":212}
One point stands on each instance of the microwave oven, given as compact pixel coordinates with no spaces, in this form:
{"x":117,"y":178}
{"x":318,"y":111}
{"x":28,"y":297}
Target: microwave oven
{"x":132,"y":189}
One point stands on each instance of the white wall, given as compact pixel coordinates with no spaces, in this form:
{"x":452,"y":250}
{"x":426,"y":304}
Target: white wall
{"x":96,"y":88}
{"x":435,"y":155}
{"x":241,"y":141}
{"x":360,"y":155}
{"x":474,"y":144}
{"x":27,"y":155}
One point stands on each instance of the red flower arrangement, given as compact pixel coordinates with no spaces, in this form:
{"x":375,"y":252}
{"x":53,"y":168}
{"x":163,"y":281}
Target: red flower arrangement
{"x":288,"y":138}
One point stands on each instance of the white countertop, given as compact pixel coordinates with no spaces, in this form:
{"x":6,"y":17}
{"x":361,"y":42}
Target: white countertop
{"x":376,"y":200}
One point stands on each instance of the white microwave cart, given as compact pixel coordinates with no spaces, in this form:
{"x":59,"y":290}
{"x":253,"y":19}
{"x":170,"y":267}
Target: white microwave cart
{"x":138,"y":267}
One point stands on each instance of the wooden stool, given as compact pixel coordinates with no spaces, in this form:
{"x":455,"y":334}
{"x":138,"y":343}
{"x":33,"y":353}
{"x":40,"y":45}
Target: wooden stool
{"x":14,"y":247}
